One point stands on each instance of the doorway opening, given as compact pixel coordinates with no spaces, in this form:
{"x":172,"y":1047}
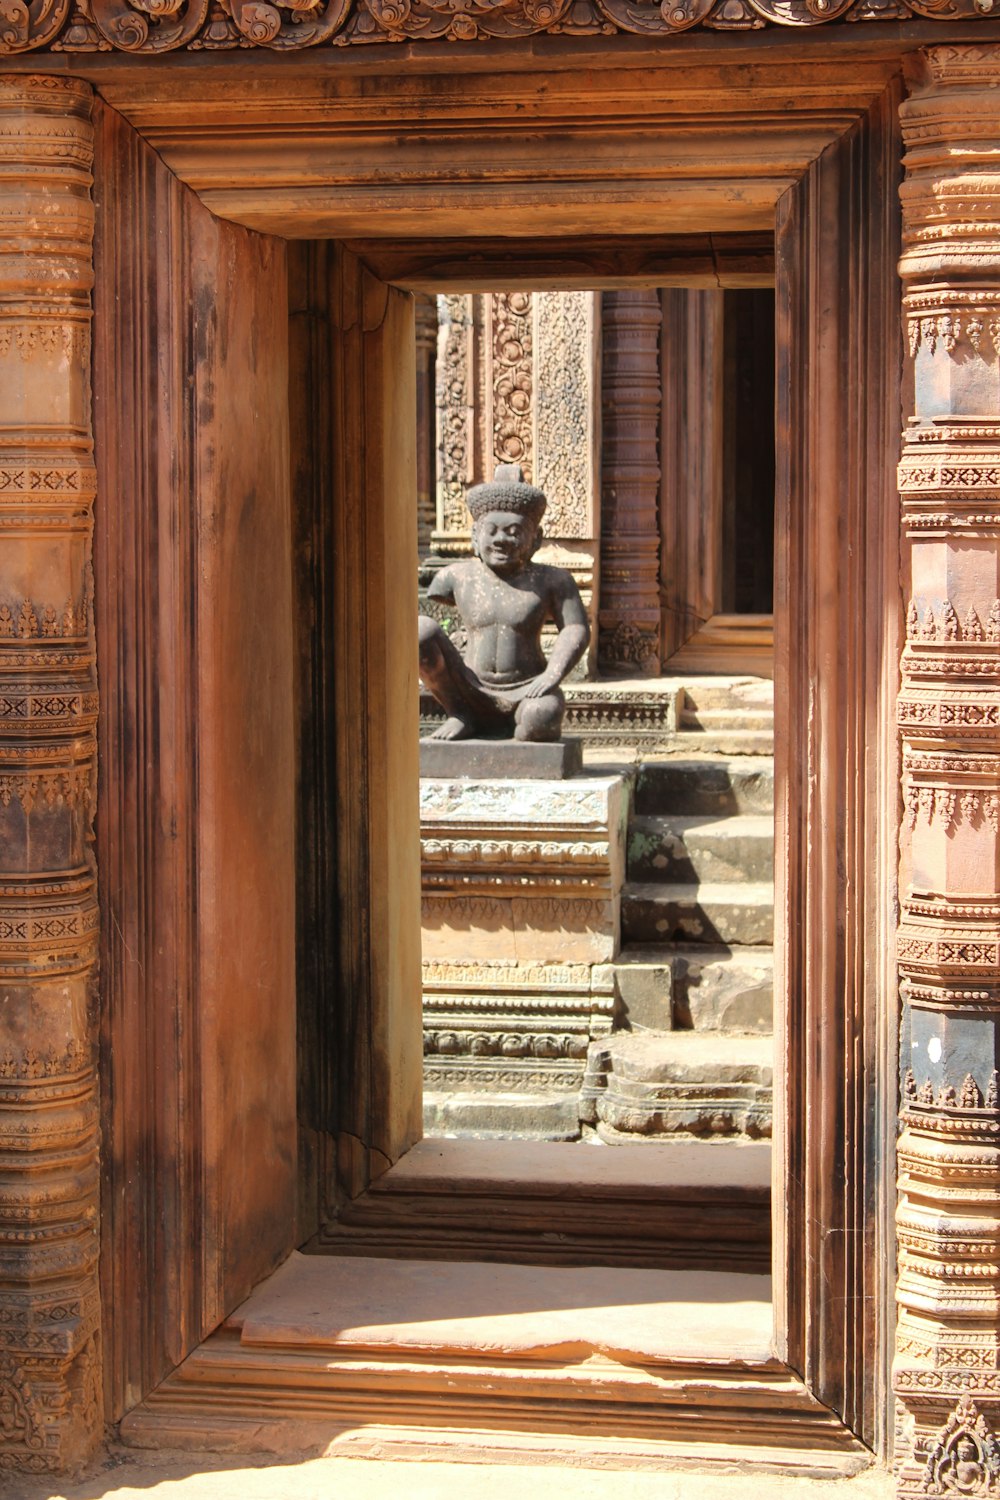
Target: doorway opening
{"x":597,"y":977}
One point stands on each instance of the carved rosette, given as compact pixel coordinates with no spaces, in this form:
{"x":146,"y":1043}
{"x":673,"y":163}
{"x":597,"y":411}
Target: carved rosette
{"x":629,"y":614}
{"x":947,"y":1372}
{"x":50,"y":1406}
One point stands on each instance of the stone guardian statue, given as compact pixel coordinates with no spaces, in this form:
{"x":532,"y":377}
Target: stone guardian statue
{"x":503,"y":687}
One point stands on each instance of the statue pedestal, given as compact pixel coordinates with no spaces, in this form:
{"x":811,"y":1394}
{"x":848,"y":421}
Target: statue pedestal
{"x":522,"y":887}
{"x":485,"y":760}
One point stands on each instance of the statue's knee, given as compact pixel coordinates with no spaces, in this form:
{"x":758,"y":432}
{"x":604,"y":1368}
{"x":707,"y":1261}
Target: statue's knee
{"x":540,"y":718}
{"x":429,"y":636}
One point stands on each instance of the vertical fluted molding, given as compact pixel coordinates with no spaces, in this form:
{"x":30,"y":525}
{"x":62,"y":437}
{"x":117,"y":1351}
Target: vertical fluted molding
{"x":49,"y":1355}
{"x":947,"y":1368}
{"x":629,"y":612}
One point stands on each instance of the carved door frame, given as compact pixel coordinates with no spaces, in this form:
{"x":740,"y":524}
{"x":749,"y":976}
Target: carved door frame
{"x":838,"y":607}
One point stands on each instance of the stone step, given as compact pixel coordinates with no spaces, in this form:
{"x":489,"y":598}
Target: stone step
{"x":497,"y":1116}
{"x":650,"y":1084}
{"x":702,"y":785}
{"x":689,"y":1203}
{"x":723,"y":912}
{"x":675,"y":849}
{"x":747,"y":694}
{"x":690,"y":741}
{"x":726,"y":718}
{"x":695,"y":986}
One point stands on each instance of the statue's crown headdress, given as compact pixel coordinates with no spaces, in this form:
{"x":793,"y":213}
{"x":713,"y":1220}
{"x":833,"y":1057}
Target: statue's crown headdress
{"x":508,"y":490}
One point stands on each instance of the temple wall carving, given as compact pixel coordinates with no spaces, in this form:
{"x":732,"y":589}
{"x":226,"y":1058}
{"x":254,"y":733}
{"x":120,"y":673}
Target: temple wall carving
{"x":51,"y":1411}
{"x":947,"y":1371}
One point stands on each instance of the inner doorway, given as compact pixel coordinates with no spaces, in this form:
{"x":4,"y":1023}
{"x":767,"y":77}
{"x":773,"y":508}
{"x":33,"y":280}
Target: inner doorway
{"x":597,"y":1026}
{"x":625,"y":995}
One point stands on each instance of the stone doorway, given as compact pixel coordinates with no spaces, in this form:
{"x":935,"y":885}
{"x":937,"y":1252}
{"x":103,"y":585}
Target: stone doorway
{"x":355,"y":1106}
{"x":358,"y":1068}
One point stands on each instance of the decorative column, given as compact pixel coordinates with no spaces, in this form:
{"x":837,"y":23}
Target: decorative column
{"x":426,"y":319}
{"x":947,"y":1369}
{"x":629,"y":614}
{"x":50,"y":1393}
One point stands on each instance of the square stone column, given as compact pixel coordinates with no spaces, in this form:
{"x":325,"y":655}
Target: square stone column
{"x":51,"y":1409}
{"x":947,"y":1370}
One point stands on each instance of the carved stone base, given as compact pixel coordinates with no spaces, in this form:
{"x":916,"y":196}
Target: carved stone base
{"x":505,"y":1045}
{"x":649,"y":1084}
{"x":492,"y":759}
{"x":521,"y":898}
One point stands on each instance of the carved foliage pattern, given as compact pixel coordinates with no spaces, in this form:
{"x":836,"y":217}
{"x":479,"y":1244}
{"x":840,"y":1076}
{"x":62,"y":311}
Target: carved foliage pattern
{"x":565,"y":410}
{"x":456,"y":388}
{"x":512,"y":378}
{"x":155,"y":26}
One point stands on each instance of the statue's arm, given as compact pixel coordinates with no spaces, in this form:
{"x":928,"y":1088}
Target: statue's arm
{"x":442,"y":586}
{"x":573,"y":638}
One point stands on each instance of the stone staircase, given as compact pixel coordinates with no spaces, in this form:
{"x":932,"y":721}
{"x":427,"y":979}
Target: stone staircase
{"x":695,"y":972}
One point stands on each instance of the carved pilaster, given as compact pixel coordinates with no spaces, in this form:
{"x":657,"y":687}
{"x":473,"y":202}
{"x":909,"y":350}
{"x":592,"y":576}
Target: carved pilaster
{"x":566,"y":434}
{"x":629,"y":614}
{"x":50,"y":1408}
{"x":947,"y":1372}
{"x":458,"y":381}
{"x":426,"y":319}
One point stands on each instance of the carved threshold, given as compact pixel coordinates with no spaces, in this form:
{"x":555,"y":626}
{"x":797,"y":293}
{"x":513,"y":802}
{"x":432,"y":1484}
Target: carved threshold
{"x":269,"y":1382}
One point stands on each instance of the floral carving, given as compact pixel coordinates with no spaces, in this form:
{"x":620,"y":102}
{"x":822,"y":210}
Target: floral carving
{"x":157,"y":26}
{"x":19,"y":1419}
{"x":511,"y":352}
{"x":455,"y":402}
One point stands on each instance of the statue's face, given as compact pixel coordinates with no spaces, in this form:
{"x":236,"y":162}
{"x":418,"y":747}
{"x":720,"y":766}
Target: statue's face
{"x":504,"y":540}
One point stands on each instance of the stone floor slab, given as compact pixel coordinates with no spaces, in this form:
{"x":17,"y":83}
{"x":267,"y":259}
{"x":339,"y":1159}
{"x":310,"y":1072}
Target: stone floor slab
{"x":121,"y":1474}
{"x":509,"y":1310}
